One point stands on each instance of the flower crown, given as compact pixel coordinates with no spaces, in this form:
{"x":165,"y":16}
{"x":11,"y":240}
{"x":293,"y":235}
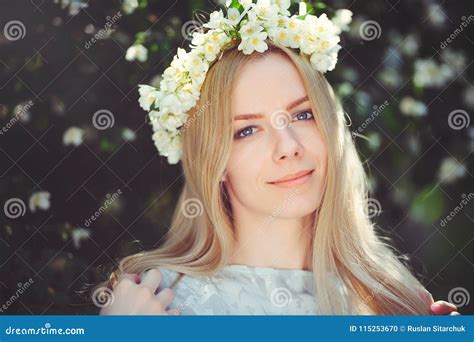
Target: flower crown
{"x":249,"y":24}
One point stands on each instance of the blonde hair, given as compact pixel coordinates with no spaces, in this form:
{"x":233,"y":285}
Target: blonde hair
{"x":346,"y":244}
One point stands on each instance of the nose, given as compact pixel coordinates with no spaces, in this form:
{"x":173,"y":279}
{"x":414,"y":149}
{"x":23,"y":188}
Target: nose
{"x":287,"y":145}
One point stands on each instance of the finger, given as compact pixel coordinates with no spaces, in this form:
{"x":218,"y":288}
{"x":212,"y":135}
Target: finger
{"x":442,"y":308}
{"x":165,"y":296}
{"x":126,"y":276}
{"x":151,"y":279}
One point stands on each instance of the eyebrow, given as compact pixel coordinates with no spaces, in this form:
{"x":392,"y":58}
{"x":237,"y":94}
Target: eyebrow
{"x":260,"y":116}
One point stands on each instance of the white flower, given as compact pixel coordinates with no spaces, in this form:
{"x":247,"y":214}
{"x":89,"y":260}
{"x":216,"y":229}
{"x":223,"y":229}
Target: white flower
{"x":468,"y":96}
{"x":302,"y":8}
{"x":39,"y":200}
{"x":22,"y":112}
{"x":137,"y":53}
{"x":428,"y":73}
{"x":436,"y":15}
{"x":320,"y":62}
{"x":128,"y":134}
{"x":171,"y":122}
{"x":410,"y":45}
{"x":246,"y":4}
{"x":266,"y":11}
{"x":390,"y":77}
{"x":249,"y":29}
{"x":253,"y":43}
{"x":73,"y":136}
{"x":233,"y":17}
{"x":450,"y":170}
{"x":455,"y":59}
{"x":78,"y":235}
{"x":195,"y":65}
{"x":170,"y":104}
{"x":129,"y":6}
{"x":410,"y":106}
{"x":148,"y":96}
{"x":283,"y":6}
{"x":216,"y":20}
{"x":342,"y":19}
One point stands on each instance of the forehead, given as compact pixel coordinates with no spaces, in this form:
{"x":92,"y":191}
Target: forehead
{"x":267,"y":83}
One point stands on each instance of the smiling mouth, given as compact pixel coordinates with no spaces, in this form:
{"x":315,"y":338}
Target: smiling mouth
{"x":294,"y":181}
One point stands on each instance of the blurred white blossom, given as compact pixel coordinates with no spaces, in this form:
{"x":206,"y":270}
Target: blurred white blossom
{"x":129,"y":6}
{"x":137,"y":53}
{"x":74,"y":5}
{"x":411,"y":107}
{"x":450,"y":170}
{"x":428,"y":73}
{"x":128,"y":134}
{"x":78,"y":235}
{"x":39,"y":200}
{"x":73,"y":136}
{"x":468,"y":96}
{"x":390,"y":77}
{"x":436,"y":15}
{"x":410,"y":45}
{"x":455,"y":59}
{"x":342,"y":18}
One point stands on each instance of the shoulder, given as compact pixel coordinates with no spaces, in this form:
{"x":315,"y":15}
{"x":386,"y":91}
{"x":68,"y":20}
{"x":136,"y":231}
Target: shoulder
{"x":168,"y":277}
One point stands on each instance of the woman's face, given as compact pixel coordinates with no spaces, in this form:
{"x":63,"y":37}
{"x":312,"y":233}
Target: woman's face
{"x":275,"y":136}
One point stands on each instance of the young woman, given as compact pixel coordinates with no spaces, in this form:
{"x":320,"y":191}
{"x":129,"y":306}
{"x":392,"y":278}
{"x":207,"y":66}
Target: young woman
{"x":262,"y":245}
{"x":273,"y":216}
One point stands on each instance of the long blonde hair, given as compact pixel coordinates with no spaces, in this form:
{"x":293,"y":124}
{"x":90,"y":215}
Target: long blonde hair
{"x":345,"y":244}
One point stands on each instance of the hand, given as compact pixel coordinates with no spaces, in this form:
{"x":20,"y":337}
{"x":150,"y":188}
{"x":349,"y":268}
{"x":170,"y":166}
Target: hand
{"x":134,"y":297}
{"x":443,"y":308}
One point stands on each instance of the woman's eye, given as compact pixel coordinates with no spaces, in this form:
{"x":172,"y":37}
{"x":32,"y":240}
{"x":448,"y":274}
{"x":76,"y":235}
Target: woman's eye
{"x":306,"y":115}
{"x":244,"y":132}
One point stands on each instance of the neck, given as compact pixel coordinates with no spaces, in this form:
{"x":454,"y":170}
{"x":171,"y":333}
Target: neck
{"x":275,"y":242}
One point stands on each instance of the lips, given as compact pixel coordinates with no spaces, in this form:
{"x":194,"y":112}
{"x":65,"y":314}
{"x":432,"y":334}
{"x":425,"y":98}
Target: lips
{"x":293,"y":176}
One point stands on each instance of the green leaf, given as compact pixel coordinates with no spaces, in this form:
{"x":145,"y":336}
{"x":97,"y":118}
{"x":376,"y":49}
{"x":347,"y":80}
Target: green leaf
{"x":236,"y":4}
{"x":320,"y":5}
{"x":428,"y":205}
